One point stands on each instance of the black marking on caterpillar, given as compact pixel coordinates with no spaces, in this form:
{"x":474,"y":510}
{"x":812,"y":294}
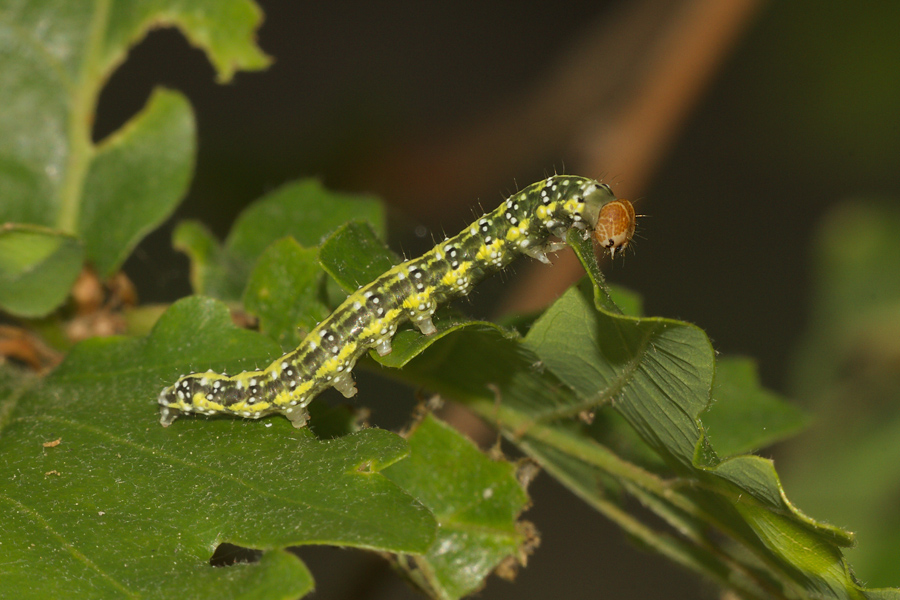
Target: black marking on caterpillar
{"x":524,"y":224}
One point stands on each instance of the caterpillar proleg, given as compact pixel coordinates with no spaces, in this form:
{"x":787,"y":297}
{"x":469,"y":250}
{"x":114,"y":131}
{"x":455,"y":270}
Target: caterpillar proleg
{"x":525,"y":223}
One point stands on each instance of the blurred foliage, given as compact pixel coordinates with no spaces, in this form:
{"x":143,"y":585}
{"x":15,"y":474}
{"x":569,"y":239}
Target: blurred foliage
{"x":847,"y":467}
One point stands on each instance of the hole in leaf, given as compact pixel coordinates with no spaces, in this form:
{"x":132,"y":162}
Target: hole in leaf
{"x":229,"y":554}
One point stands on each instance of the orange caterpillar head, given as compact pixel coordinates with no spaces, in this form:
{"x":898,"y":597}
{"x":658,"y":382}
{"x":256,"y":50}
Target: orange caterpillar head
{"x":615,"y":225}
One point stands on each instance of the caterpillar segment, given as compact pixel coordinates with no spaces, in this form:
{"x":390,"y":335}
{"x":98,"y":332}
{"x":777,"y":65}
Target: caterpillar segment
{"x":528,"y":222}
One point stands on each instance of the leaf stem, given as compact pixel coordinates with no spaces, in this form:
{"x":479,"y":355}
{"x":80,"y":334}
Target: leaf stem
{"x":81,"y":119}
{"x":644,"y":485}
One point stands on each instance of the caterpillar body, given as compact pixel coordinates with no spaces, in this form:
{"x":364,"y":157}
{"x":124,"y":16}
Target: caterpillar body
{"x":526,"y":223}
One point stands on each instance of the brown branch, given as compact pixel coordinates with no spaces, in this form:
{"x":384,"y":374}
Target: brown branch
{"x":631,"y":141}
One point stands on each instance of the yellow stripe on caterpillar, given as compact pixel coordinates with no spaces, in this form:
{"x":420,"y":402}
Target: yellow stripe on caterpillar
{"x":525,"y":223}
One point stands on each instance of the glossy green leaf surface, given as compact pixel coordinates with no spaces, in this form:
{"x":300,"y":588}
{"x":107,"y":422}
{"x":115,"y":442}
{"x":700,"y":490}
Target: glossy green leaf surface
{"x":136,"y":179}
{"x":355,"y":255}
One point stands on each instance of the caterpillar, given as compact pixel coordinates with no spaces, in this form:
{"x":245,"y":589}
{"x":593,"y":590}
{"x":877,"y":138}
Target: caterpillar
{"x":526,"y":223}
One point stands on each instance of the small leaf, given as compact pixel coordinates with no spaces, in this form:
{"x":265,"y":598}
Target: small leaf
{"x":37,"y":268}
{"x":136,"y":179}
{"x":656,"y":372}
{"x":210,"y":267}
{"x":303,"y":210}
{"x":285,"y":291}
{"x":354,"y":255}
{"x":476,"y":502}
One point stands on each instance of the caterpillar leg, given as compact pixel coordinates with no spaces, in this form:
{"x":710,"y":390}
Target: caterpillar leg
{"x":344,"y":384}
{"x":425,"y":325}
{"x":383,"y":348}
{"x":540,"y":252}
{"x":298,"y":416}
{"x":167,"y":415}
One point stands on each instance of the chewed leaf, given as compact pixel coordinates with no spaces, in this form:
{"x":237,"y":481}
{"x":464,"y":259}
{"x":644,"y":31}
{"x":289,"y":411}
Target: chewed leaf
{"x":657,"y":374}
{"x":54,"y":59}
{"x":129,"y":168}
{"x":112,"y":501}
{"x":476,"y":502}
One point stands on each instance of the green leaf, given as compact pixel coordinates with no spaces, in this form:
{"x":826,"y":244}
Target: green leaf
{"x":476,"y":502}
{"x":211,"y":271}
{"x":656,"y":372}
{"x":121,"y":506}
{"x":354,"y":255}
{"x":583,"y":355}
{"x":54,"y":59}
{"x":744,"y":416}
{"x":136,"y":180}
{"x":303,"y":209}
{"x":37,"y":268}
{"x":285,"y":291}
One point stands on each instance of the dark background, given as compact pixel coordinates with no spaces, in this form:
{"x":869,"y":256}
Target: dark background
{"x":798,"y":112}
